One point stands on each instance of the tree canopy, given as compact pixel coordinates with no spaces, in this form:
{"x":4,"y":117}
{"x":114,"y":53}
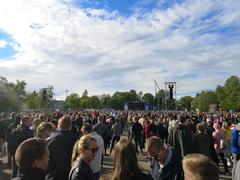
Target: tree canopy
{"x":13,"y":96}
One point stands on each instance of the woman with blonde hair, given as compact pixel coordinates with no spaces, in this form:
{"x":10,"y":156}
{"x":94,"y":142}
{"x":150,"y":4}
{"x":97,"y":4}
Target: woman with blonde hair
{"x":84,"y":151}
{"x":125,"y":163}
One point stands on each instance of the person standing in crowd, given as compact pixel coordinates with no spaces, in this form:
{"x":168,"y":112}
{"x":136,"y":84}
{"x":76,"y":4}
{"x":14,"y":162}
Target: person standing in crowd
{"x":151,"y":128}
{"x":218,"y":136}
{"x":210,"y":128}
{"x":235,"y":146}
{"x":165,"y":163}
{"x":162,"y":131}
{"x":137,"y":131}
{"x":199,"y":167}
{"x":96,"y":164}
{"x":102,"y":129}
{"x":60,"y":147}
{"x":180,"y":138}
{"x":143,"y":122}
{"x":9,"y":131}
{"x":18,"y":135}
{"x":203,"y":143}
{"x":44,"y":130}
{"x":32,"y":159}
{"x":125,"y":165}
{"x":83,"y":154}
{"x":227,"y":131}
{"x":116,"y":129}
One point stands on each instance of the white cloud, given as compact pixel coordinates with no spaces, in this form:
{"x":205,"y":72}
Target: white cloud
{"x":74,"y":49}
{"x":3,"y":44}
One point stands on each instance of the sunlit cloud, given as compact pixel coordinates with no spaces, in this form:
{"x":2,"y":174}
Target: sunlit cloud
{"x":195,"y":43}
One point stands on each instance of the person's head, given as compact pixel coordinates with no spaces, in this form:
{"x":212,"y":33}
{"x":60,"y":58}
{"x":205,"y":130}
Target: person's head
{"x":105,"y":176}
{"x":36,"y":123}
{"x":18,"y":119}
{"x":201,"y":128}
{"x":209,"y":121}
{"x":217,"y":126}
{"x":44,"y":130}
{"x":86,"y":148}
{"x":32,"y":153}
{"x":155,"y":148}
{"x":225,"y":125}
{"x":199,"y":167}
{"x":135,"y":119}
{"x":65,"y":122}
{"x":26,"y":120}
{"x":101,"y":118}
{"x":86,"y":128}
{"x":125,"y":160}
{"x":181,"y":119}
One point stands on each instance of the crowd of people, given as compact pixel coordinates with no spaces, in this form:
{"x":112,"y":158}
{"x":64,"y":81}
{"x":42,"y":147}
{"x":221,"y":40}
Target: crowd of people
{"x":72,"y":145}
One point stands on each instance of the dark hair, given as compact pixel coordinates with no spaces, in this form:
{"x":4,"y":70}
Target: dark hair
{"x":86,"y":128}
{"x":125,"y":160}
{"x":181,"y":118}
{"x":29,"y":151}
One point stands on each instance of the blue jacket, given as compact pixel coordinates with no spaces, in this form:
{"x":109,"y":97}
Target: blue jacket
{"x":235,"y":148}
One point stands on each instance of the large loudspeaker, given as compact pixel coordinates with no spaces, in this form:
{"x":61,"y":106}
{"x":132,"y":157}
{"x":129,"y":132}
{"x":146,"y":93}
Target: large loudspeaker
{"x":171,"y":91}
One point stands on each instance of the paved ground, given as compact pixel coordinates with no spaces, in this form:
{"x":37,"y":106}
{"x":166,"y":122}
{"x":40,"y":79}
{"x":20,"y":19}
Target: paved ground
{"x":5,"y":171}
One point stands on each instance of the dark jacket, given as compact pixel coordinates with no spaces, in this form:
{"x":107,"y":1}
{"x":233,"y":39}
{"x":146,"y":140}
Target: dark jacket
{"x":81,"y":171}
{"x":18,"y":135}
{"x":30,"y":174}
{"x":137,"y":129}
{"x":60,"y":151}
{"x":140,"y":176}
{"x":181,"y":140}
{"x":203,"y":144}
{"x":162,"y":131}
{"x":102,"y":130}
{"x":172,"y":170}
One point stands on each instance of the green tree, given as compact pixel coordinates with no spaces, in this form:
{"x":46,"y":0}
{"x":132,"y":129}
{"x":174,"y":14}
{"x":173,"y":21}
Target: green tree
{"x":132,"y":95}
{"x":32,"y":100}
{"x":9,"y":99}
{"x":46,"y":97}
{"x":93,"y":102}
{"x":232,"y":93}
{"x":72,"y":101}
{"x":118,"y":99}
{"x":228,"y":96}
{"x":85,"y":93}
{"x":105,"y":101}
{"x":148,"y":98}
{"x":205,"y":99}
{"x":220,"y":93}
{"x":161,"y":99}
{"x":185,"y":103}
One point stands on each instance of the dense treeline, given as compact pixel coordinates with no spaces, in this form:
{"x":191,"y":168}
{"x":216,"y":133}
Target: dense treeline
{"x":13,"y":96}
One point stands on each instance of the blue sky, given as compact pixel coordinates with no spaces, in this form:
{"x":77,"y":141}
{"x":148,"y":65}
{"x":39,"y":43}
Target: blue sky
{"x":117,"y":45}
{"x":6,"y":51}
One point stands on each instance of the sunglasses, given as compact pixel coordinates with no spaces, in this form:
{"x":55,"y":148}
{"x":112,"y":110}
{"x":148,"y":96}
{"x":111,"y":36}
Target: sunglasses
{"x":150,"y":158}
{"x":93,"y":150}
